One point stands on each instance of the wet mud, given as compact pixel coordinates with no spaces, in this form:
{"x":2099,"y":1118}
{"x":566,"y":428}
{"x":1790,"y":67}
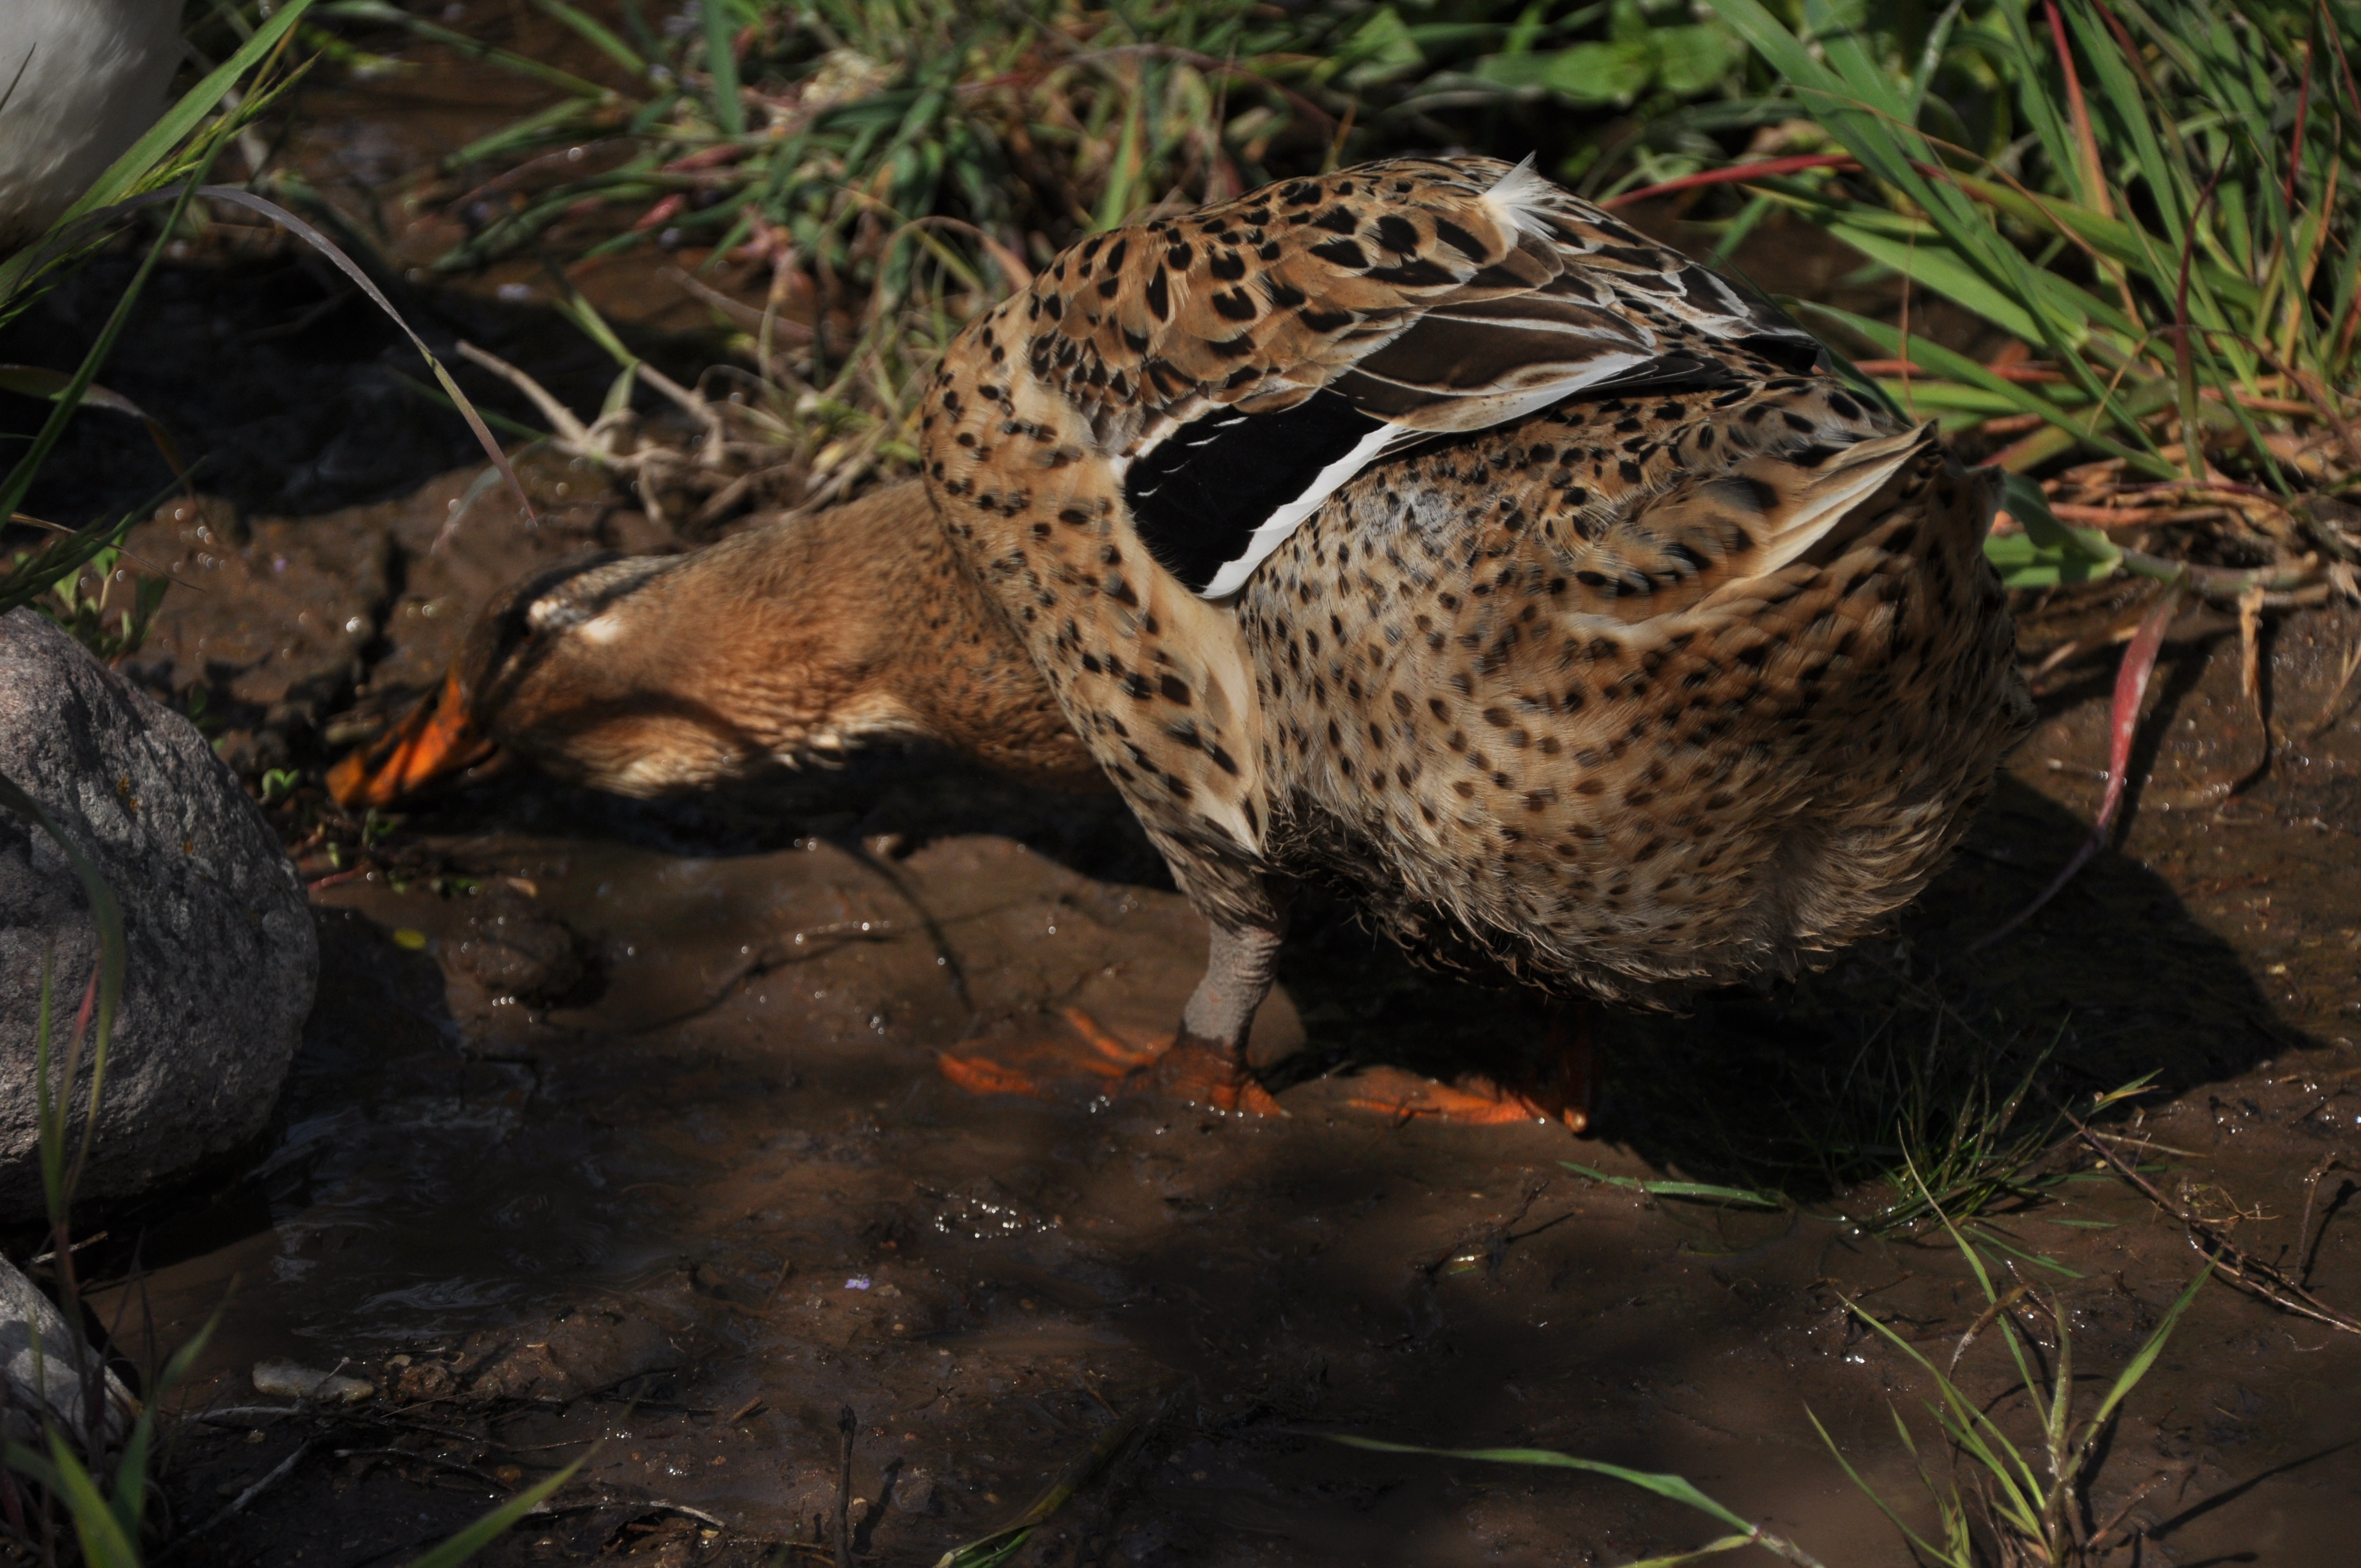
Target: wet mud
{"x":617,"y":1138}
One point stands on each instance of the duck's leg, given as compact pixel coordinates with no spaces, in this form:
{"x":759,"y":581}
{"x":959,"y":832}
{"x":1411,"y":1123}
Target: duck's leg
{"x":1564,"y":1089}
{"x":1206,"y":1063}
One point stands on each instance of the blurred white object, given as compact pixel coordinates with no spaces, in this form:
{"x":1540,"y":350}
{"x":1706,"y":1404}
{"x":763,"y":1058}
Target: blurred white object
{"x":79,"y":80}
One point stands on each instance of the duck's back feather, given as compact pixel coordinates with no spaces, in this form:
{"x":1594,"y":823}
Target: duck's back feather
{"x":1237,"y":365}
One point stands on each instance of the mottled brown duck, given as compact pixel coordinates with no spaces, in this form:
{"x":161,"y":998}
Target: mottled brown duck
{"x":1424,"y":528}
{"x":1420,"y":529}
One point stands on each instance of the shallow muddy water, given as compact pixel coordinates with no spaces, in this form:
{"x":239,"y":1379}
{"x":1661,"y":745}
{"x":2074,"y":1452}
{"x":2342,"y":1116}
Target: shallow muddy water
{"x":618,"y":1135}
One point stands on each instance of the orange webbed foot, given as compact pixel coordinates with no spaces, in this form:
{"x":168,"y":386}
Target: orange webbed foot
{"x":1200,"y":1074}
{"x":1565,"y":1092}
{"x":1473,"y":1102}
{"x":1036,"y":1061}
{"x":1086,"y":1055}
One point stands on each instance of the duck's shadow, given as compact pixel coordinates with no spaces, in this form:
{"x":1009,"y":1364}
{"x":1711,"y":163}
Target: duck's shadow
{"x":1799,"y":1086}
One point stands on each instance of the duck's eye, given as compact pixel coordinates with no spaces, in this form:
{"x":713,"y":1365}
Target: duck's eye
{"x":554,"y":614}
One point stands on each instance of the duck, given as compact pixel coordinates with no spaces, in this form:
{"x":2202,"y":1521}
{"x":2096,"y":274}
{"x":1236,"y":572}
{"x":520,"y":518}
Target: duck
{"x":79,"y":80}
{"x":1424,"y":528}
{"x":1420,"y":532}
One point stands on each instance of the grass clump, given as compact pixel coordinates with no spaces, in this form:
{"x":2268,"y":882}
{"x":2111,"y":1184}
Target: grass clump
{"x":821,"y":127}
{"x":2153,"y":203}
{"x":2002,"y":1501}
{"x":1883,"y":1119}
{"x":2022,"y":1503}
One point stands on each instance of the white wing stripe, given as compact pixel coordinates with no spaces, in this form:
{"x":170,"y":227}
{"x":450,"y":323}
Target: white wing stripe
{"x":1273,"y":530}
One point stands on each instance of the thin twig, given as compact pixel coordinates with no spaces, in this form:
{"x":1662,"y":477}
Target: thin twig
{"x":2329,"y":710}
{"x":844,"y":1430}
{"x":2251,"y":1275}
{"x":435,"y":1460}
{"x":227,"y":1411}
{"x":644,"y":1505}
{"x":278,"y":1473}
{"x":2131,"y":689}
{"x":2306,"y":1255}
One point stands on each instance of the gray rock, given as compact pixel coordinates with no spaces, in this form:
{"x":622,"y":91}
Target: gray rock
{"x":46,"y":1384}
{"x":222,"y":953}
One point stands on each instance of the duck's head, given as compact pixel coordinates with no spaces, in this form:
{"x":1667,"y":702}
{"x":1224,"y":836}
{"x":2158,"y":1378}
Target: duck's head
{"x":548,"y":674}
{"x":793,"y":641}
{"x":643,"y":676}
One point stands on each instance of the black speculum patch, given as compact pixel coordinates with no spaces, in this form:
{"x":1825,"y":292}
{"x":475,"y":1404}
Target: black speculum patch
{"x":1198,"y":498}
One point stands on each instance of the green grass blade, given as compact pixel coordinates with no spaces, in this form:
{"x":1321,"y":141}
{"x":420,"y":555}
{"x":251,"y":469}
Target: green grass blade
{"x":1958,"y":366}
{"x":1698,"y":1189}
{"x":129,"y":1501}
{"x":998,"y":1546}
{"x":1931,"y":56}
{"x":377,"y":11}
{"x":484,"y":1531}
{"x":1919,"y":1542}
{"x":1935,"y":265}
{"x":2138,"y":1366}
{"x":721,"y":65}
{"x":1859,"y":109}
{"x":2000,"y":1244}
{"x":2031,"y":509}
{"x":69,"y":397}
{"x":103,"y":1542}
{"x":598,"y":35}
{"x":1711,"y":1549}
{"x":368,"y":286}
{"x":1674,"y":1488}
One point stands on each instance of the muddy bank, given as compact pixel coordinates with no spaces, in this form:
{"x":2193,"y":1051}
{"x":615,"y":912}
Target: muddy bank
{"x":618,"y":1136}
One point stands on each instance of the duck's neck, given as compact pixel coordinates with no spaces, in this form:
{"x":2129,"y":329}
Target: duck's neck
{"x":865,"y":610}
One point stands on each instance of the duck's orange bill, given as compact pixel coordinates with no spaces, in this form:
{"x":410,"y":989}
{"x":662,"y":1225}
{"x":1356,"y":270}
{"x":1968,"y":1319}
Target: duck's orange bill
{"x":437,"y":739}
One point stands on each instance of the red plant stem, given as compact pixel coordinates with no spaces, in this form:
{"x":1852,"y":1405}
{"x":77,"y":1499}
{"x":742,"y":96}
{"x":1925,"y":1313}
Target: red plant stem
{"x":2131,"y":690}
{"x":663,"y":212}
{"x":1761,"y":169}
{"x":2328,"y":26}
{"x":2085,"y":138}
{"x":82,"y":1014}
{"x":707,"y":157}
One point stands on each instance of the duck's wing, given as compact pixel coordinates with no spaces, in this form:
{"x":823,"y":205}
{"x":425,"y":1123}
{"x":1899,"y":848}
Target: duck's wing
{"x":1660,"y":552}
{"x":1244,"y":362}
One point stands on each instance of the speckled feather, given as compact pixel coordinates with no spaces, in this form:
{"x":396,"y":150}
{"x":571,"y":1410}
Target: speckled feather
{"x":1644,"y":688}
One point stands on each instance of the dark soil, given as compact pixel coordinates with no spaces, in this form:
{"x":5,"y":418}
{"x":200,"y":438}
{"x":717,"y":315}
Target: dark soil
{"x":616,"y":1137}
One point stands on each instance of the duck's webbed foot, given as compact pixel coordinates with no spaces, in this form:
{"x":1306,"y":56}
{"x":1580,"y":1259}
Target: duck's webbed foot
{"x":1202,"y":1072}
{"x":1562,"y":1088}
{"x":1205,"y":1064}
